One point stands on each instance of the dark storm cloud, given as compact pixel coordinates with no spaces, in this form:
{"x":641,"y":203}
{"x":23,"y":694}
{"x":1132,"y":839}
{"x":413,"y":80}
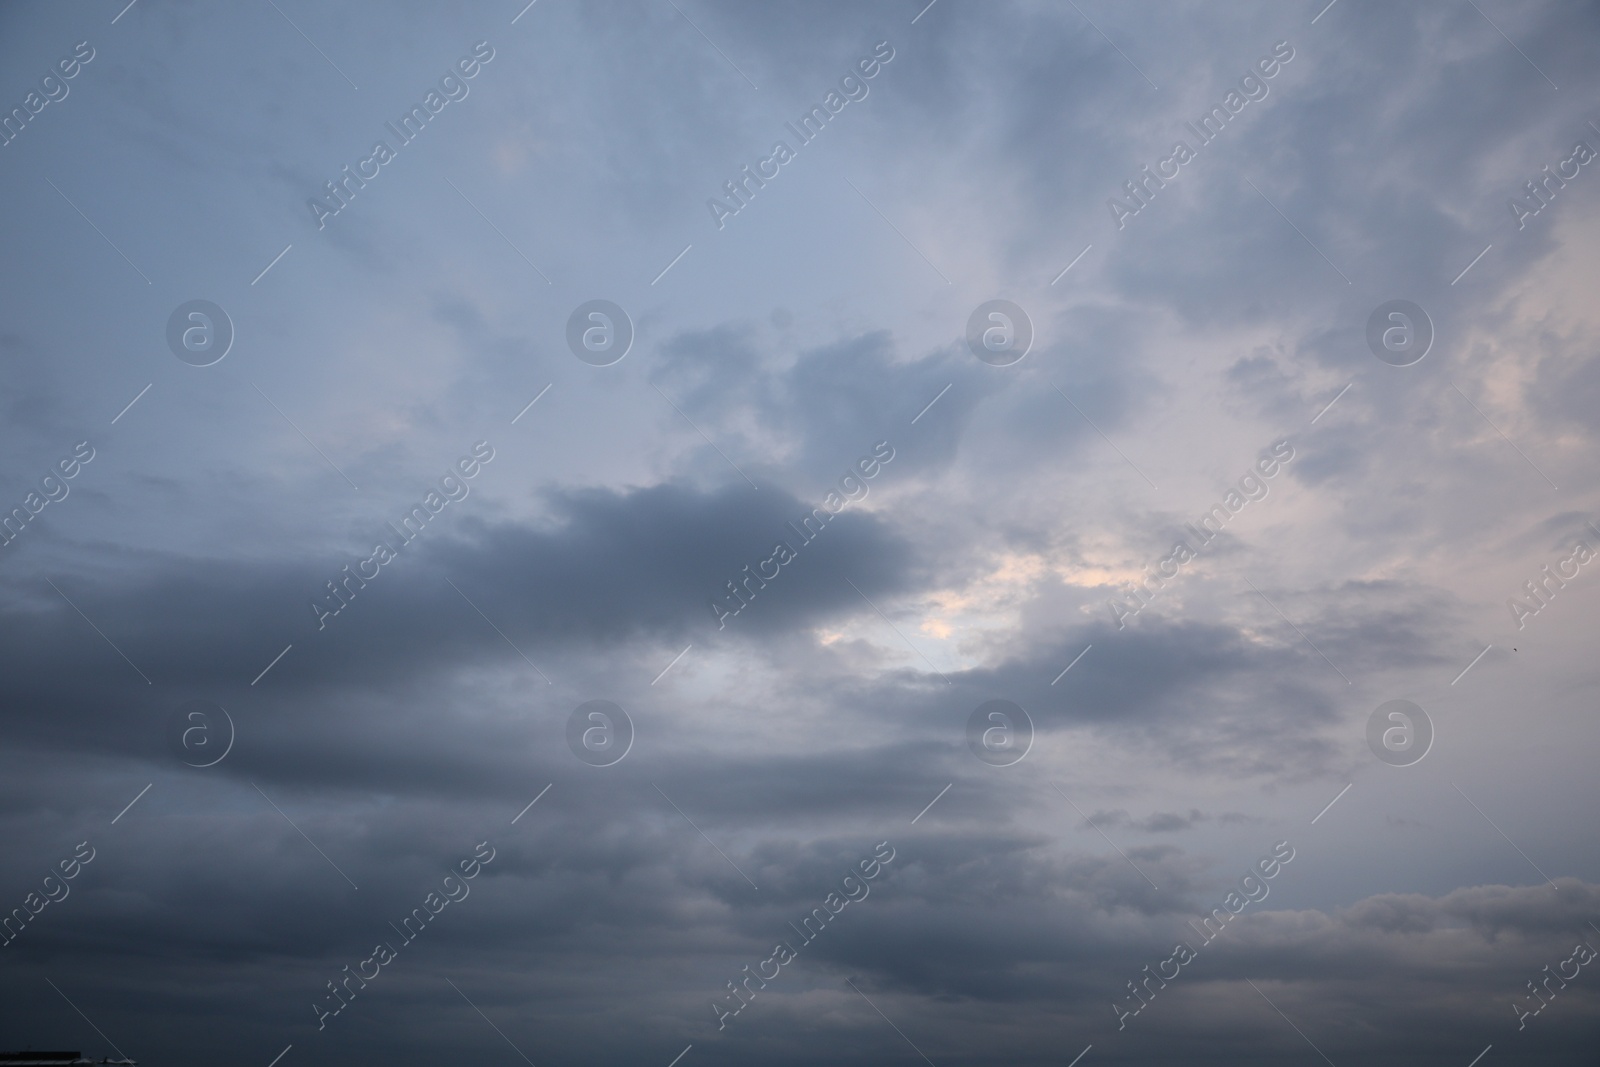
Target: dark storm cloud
{"x":608,"y":566}
{"x":774,"y":752}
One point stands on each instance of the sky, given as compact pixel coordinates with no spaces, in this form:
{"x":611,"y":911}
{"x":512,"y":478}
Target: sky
{"x":800,"y":533}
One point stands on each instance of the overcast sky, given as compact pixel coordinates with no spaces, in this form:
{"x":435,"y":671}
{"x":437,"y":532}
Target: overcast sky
{"x":1339,"y":324}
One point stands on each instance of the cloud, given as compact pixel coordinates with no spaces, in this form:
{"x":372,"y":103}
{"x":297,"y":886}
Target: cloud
{"x":831,"y":713}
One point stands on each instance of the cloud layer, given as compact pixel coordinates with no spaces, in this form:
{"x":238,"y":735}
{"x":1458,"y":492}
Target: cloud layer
{"x":270,"y":790}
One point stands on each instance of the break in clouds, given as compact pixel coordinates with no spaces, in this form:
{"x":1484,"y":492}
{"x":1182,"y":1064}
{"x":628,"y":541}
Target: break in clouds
{"x":694,"y":533}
